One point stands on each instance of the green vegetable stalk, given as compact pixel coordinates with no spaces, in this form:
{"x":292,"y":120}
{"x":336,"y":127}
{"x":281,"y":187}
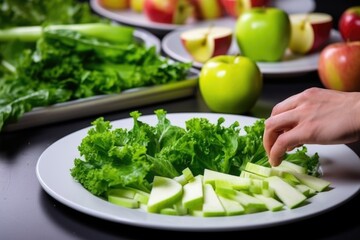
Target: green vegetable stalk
{"x":113,"y":33}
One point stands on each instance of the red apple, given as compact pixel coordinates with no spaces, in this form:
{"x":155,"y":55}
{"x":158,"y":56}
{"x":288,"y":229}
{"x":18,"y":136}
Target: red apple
{"x":208,"y":9}
{"x":339,"y":66}
{"x":349,"y":24}
{"x":207,"y":42}
{"x":168,"y":11}
{"x":115,"y":4}
{"x":309,"y":31}
{"x":236,"y":7}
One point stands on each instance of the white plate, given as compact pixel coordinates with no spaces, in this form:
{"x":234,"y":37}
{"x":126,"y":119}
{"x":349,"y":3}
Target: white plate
{"x":339,"y":165}
{"x":140,"y":20}
{"x":295,"y":6}
{"x":290,"y":65}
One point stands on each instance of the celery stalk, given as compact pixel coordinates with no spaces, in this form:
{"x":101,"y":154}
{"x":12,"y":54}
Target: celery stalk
{"x":113,"y":33}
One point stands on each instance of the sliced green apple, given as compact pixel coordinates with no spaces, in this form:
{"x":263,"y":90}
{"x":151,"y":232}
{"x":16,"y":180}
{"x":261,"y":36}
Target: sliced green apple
{"x":212,"y":206}
{"x":231,"y":207}
{"x":193,"y":196}
{"x":164,"y":193}
{"x":309,"y":32}
{"x":233,"y":181}
{"x":271,"y":203}
{"x":289,"y":195}
{"x":123,"y":201}
{"x":207,"y":42}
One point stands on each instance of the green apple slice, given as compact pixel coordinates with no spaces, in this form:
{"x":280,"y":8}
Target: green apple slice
{"x":290,"y":196}
{"x":318,"y":184}
{"x":271,"y":203}
{"x":250,"y":203}
{"x":231,"y":207}
{"x":123,"y":201}
{"x":235,"y":182}
{"x":193,"y":196}
{"x":292,"y":166}
{"x":258,"y":169}
{"x":164,"y":193}
{"x":212,"y":206}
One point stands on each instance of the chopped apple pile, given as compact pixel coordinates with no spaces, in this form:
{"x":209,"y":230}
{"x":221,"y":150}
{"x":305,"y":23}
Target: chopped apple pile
{"x":257,"y":189}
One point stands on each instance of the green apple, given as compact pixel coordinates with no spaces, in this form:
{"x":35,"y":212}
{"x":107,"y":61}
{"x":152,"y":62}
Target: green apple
{"x":263,"y":34}
{"x":164,"y":193}
{"x":206,"y":42}
{"x":230,"y":84}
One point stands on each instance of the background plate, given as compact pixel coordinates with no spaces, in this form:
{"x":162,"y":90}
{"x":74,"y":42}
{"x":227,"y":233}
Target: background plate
{"x":148,"y":39}
{"x":131,"y":18}
{"x":290,"y":65}
{"x":339,"y":164}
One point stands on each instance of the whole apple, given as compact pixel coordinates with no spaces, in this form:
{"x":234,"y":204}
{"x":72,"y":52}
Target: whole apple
{"x":263,"y":34}
{"x":349,"y":24}
{"x":230,"y":84}
{"x":168,"y":11}
{"x":339,"y":66}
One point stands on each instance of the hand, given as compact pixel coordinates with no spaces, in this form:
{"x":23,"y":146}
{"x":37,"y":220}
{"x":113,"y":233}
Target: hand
{"x":315,"y":116}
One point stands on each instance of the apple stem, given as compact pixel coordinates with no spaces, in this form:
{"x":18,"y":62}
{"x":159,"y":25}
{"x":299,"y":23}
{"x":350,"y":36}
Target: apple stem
{"x":307,"y":16}
{"x":208,"y":32}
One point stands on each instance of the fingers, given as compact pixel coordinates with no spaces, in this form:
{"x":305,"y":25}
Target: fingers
{"x":286,"y":105}
{"x":275,"y":126}
{"x":285,"y":142}
{"x":282,"y":134}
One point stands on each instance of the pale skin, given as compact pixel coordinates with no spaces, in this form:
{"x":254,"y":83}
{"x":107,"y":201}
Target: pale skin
{"x":314,"y":116}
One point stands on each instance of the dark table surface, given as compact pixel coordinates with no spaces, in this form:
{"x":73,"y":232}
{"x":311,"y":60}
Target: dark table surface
{"x":28,"y":212}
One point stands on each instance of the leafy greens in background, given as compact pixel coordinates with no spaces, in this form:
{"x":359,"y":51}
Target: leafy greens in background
{"x":47,"y":64}
{"x":39,"y":12}
{"x":132,"y":157}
